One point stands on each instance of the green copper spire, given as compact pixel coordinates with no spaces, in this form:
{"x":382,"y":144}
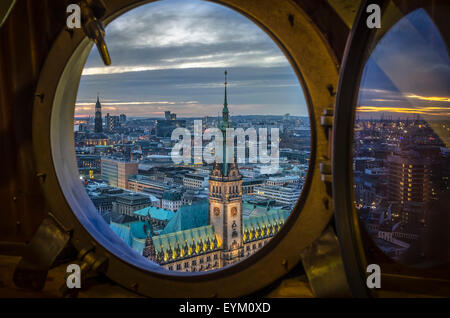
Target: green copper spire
{"x":224,"y":125}
{"x":225,"y":103}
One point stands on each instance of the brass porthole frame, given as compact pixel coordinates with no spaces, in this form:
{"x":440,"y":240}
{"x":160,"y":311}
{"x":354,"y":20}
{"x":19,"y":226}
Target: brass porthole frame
{"x":315,"y":65}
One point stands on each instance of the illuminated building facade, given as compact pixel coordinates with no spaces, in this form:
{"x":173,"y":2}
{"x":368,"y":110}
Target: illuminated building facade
{"x":117,"y":172}
{"x":410,"y":187}
{"x":112,"y":122}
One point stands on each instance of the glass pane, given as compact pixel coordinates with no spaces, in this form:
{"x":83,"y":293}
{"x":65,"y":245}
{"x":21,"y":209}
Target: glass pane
{"x":401,"y":143}
{"x":144,"y":127}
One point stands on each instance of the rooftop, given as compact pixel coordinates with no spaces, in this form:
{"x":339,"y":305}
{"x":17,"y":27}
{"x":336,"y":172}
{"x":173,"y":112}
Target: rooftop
{"x":133,"y":198}
{"x":193,"y":241}
{"x":188,"y":217}
{"x":156,"y":213}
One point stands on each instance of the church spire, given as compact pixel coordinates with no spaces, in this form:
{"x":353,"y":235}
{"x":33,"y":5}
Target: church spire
{"x":98,"y":116}
{"x":225,"y":103}
{"x":97,"y":104}
{"x":225,"y":112}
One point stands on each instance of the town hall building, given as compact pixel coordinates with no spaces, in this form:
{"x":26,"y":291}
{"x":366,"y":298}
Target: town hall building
{"x":228,"y":237}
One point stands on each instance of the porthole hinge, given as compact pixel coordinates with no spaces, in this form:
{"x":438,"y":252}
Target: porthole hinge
{"x":92,"y":11}
{"x":326,"y":120}
{"x":49,"y":241}
{"x":324,"y":267}
{"x":325,"y":170}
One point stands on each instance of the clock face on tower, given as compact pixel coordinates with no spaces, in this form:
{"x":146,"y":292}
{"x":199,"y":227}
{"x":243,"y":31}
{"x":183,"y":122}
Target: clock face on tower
{"x":234,"y":211}
{"x":216,"y":211}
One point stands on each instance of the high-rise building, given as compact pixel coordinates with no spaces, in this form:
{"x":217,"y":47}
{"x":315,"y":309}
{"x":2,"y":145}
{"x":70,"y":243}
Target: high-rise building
{"x":409,"y":187}
{"x":170,"y":116}
{"x":164,"y":128}
{"x":409,"y":178}
{"x":112,"y":122}
{"x":116,"y":172}
{"x":98,"y":117}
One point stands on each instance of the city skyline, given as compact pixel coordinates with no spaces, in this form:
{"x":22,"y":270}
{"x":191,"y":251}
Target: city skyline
{"x":191,"y":215}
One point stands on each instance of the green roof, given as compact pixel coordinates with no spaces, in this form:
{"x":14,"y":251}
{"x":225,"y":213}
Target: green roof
{"x":271,"y":218}
{"x":188,"y":217}
{"x":138,"y":245}
{"x":185,"y":243}
{"x":156,"y":213}
{"x":194,"y":240}
{"x":132,"y":233}
{"x":264,"y":225}
{"x":251,"y":209}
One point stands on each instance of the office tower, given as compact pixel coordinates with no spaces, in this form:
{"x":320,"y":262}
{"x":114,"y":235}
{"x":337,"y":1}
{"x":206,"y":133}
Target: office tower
{"x":116,"y":172}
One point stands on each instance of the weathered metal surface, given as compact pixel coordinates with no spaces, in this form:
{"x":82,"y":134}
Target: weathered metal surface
{"x":324,"y":267}
{"x":25,"y":39}
{"x":5,"y":9}
{"x":346,"y":9}
{"x":48,"y":242}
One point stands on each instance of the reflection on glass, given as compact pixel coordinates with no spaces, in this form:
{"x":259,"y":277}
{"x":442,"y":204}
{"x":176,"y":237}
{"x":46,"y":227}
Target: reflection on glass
{"x":401,"y":144}
{"x":167,"y":199}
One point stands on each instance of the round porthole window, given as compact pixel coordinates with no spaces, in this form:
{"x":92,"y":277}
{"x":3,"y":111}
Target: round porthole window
{"x":132,"y":190}
{"x":394,"y":214}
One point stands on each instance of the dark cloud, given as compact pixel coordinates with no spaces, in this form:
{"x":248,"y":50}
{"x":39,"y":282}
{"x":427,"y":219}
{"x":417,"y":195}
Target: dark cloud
{"x":177,"y":50}
{"x":266,"y":88}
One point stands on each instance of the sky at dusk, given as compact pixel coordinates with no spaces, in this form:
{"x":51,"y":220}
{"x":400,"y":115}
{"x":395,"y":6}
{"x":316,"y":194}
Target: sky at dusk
{"x":171,"y":55}
{"x":408,"y":72}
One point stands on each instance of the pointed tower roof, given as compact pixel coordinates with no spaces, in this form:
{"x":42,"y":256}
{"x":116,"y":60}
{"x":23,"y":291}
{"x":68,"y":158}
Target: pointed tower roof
{"x":223,"y":169}
{"x":225,"y":102}
{"x":225,"y":112}
{"x":97,"y":104}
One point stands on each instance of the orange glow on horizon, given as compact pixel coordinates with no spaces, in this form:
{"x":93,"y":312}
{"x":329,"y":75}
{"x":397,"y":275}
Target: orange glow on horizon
{"x":432,"y":111}
{"x":430,"y":98}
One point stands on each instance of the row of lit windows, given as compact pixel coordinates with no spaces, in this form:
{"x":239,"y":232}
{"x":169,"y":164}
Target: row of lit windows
{"x":194,"y":262}
{"x":254,"y":246}
{"x":231,"y":189}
